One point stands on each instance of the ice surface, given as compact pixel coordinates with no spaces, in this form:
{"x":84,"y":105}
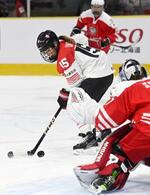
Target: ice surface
{"x":27,"y":104}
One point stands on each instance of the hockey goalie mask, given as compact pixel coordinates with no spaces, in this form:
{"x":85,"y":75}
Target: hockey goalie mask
{"x":48,"y":45}
{"x":131,"y":70}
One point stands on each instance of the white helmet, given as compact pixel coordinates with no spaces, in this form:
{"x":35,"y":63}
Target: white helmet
{"x":97,"y":2}
{"x":131,"y":70}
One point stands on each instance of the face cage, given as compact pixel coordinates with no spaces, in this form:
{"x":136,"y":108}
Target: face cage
{"x":138,"y":75}
{"x":48,"y":58}
{"x":122,"y":76}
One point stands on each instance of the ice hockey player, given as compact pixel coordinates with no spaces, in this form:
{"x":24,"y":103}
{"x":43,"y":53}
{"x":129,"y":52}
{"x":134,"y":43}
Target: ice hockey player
{"x":118,"y":154}
{"x":99,"y":27}
{"x":81,"y":65}
{"x":130,"y":71}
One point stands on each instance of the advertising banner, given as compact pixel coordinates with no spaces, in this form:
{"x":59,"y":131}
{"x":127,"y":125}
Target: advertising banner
{"x":18,"y":38}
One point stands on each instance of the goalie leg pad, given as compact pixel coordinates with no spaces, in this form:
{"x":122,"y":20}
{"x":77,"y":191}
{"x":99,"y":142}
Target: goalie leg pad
{"x":85,"y":177}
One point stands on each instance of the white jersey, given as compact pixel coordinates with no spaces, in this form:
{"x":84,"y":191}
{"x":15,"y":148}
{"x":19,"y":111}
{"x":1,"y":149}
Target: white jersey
{"x":93,"y":63}
{"x":79,"y":62}
{"x":119,"y":87}
{"x":116,"y":89}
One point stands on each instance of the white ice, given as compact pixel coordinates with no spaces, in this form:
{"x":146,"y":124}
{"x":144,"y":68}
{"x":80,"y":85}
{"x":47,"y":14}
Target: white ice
{"x":27,"y":104}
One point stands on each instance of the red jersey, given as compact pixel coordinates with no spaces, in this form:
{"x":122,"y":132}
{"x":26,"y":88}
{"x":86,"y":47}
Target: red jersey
{"x":132,"y":104}
{"x":20,"y":10}
{"x":97,"y":30}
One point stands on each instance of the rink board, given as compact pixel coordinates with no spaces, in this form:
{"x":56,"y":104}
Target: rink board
{"x":20,"y":56}
{"x":41,"y":69}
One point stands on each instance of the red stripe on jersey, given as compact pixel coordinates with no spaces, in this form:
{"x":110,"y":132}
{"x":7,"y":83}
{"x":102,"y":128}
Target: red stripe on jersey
{"x":73,"y":79}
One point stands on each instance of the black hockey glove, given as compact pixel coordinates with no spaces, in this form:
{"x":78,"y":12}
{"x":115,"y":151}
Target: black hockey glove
{"x":105,"y":42}
{"x":63,"y":98}
{"x":75,"y":30}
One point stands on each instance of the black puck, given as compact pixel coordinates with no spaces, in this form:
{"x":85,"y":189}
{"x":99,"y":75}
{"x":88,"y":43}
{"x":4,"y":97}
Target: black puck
{"x":40,"y":153}
{"x":10,"y":154}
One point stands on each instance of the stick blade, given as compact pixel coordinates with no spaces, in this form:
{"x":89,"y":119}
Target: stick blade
{"x":30,"y":153}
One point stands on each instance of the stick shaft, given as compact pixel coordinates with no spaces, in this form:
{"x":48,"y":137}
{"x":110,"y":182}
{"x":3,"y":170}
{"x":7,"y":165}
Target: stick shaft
{"x":32,"y":152}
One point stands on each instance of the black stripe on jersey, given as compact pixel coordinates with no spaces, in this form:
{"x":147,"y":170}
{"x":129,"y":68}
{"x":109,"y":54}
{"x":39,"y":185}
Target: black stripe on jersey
{"x":87,"y":51}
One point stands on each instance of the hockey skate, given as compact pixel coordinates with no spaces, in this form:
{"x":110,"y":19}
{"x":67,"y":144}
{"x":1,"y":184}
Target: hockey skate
{"x":103,"y":183}
{"x":87,"y":145}
{"x":90,"y":142}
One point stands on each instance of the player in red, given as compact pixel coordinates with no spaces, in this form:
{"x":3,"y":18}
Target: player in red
{"x":20,"y":9}
{"x":81,"y":65}
{"x":125,"y":147}
{"x":100,"y":28}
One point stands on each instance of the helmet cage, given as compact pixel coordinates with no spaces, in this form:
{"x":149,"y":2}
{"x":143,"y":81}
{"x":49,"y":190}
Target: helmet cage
{"x":46,"y":40}
{"x":131,"y":70}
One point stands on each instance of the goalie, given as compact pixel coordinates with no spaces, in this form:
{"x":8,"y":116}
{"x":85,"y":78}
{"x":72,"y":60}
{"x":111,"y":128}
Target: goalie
{"x":118,"y":154}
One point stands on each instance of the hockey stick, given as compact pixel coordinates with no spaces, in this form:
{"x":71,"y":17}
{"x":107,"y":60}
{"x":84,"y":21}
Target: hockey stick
{"x":32,"y":152}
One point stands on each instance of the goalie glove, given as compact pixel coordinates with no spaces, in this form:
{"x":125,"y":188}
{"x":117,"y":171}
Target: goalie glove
{"x":63,"y":98}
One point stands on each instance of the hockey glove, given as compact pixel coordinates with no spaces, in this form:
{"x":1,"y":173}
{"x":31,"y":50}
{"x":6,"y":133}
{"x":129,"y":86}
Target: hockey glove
{"x":105,"y":42}
{"x":63,"y":98}
{"x":75,"y":30}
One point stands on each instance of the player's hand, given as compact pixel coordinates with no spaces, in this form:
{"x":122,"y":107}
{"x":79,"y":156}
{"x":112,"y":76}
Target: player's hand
{"x":63,"y":98}
{"x":105,"y":42}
